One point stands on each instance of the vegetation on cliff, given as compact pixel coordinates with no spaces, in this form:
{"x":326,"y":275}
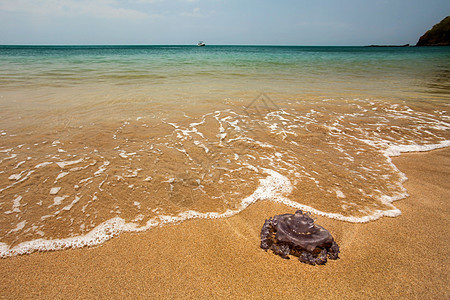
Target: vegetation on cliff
{"x":439,"y":35}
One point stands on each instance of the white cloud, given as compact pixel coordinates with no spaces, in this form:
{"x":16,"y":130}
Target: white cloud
{"x":92,"y":8}
{"x":196,"y":13}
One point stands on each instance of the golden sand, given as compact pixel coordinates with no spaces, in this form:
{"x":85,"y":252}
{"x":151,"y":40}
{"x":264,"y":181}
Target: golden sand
{"x":403,"y":257}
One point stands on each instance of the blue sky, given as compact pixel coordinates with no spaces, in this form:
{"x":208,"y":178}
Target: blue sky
{"x":263,"y":22}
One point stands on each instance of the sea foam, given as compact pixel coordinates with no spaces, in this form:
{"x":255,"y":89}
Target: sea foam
{"x":274,"y":186}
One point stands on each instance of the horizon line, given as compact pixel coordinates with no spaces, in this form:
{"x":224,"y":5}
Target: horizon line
{"x":256,"y":45}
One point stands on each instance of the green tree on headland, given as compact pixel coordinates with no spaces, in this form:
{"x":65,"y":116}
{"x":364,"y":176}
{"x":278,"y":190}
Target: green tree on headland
{"x":439,"y":35}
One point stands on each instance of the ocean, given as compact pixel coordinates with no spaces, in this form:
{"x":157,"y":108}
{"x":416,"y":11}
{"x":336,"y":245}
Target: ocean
{"x":96,"y":141}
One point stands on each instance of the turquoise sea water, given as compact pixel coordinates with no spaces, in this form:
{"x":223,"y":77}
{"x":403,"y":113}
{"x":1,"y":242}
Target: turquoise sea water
{"x":100,"y":140}
{"x":299,"y":69}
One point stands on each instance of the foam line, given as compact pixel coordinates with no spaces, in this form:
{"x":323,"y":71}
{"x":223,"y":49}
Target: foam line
{"x":274,"y":187}
{"x":398,"y":149}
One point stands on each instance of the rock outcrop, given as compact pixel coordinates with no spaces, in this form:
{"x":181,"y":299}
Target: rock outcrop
{"x":439,"y":35}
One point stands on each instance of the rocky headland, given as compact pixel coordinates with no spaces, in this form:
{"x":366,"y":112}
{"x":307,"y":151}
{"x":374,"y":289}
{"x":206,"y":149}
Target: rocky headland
{"x":439,"y":35}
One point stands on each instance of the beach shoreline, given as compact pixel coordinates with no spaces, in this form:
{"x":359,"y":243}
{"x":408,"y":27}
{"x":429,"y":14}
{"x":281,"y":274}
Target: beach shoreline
{"x":405,"y":256}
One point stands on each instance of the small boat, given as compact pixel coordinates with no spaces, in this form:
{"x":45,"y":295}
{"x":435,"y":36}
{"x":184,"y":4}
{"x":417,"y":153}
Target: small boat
{"x":201,"y":44}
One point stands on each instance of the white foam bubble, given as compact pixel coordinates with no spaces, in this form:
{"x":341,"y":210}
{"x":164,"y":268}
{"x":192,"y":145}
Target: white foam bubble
{"x":63,"y":164}
{"x":59,"y":199}
{"x":133,"y":173}
{"x":61,"y":175}
{"x":19,"y":226}
{"x":201,"y":145}
{"x":54,"y":190}
{"x":102,"y":168}
{"x":44,"y":164}
{"x":15,"y":176}
{"x":69,"y":206}
{"x":340,"y":194}
{"x":16,"y":204}
{"x":10,"y":157}
{"x":125,"y":155}
{"x":19,"y":164}
{"x":76,"y":169}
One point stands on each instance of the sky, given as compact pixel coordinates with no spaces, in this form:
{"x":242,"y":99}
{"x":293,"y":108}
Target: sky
{"x":221,"y":22}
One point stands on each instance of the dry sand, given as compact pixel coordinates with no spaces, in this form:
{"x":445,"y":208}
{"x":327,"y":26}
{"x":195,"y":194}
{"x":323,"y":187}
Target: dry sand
{"x":403,"y":257}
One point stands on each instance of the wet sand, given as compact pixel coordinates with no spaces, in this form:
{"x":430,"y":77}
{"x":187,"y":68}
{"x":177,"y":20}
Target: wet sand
{"x":403,"y":257}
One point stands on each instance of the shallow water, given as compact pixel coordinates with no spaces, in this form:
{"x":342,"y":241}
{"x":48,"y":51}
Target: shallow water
{"x":99,"y":140}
